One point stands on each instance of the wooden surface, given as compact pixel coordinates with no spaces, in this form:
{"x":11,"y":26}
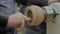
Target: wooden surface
{"x":37,"y":15}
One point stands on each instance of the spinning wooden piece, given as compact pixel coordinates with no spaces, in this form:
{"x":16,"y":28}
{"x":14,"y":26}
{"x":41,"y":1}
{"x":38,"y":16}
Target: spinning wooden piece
{"x":36,"y":14}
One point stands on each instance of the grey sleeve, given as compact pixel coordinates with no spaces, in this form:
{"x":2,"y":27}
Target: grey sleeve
{"x":3,"y":15}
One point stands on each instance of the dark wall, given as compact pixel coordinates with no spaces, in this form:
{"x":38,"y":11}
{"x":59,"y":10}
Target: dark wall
{"x":33,"y":2}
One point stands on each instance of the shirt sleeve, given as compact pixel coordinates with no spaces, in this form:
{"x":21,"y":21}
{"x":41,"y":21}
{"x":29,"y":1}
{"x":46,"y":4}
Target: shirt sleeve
{"x":3,"y":15}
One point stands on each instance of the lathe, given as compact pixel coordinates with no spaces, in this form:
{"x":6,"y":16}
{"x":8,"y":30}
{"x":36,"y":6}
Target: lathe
{"x":35,"y":15}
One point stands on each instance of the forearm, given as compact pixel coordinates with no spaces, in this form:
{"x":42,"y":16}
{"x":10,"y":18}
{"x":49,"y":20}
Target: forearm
{"x":3,"y":20}
{"x":52,"y":1}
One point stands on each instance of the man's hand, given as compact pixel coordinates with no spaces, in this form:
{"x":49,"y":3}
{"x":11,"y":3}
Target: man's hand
{"x":15,"y":19}
{"x":52,"y":1}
